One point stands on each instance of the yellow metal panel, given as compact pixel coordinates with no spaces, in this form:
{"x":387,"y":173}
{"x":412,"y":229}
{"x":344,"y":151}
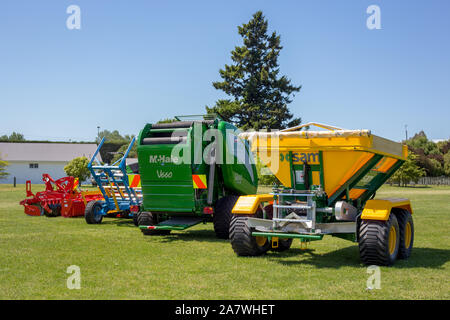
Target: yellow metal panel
{"x":356,"y":193}
{"x":380,"y":209}
{"x":340,"y":166}
{"x":316,"y":178}
{"x":385,"y":164}
{"x":250,"y":204}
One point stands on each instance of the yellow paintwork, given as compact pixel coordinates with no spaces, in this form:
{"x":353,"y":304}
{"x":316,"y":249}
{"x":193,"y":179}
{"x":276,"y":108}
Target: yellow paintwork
{"x":260,"y":241}
{"x":380,"y":209}
{"x":343,"y":152}
{"x":356,"y":193}
{"x":250,"y":204}
{"x":408,"y":235}
{"x":316,"y":178}
{"x":274,"y":242}
{"x":340,"y":166}
{"x":392,"y":240}
{"x":385,"y":164}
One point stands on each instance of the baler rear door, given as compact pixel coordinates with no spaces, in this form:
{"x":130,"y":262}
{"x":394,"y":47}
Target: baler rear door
{"x":166,"y":184}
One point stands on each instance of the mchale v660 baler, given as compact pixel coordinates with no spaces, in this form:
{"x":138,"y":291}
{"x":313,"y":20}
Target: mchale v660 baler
{"x":192,"y":170}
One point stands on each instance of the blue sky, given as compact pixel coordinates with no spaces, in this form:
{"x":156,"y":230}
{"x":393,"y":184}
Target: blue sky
{"x":135,"y":62}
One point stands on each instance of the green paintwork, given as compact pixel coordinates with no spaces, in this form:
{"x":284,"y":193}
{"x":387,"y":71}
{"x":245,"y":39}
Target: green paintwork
{"x":166,"y":169}
{"x":310,"y":237}
{"x":241,"y":174}
{"x":179,"y":227}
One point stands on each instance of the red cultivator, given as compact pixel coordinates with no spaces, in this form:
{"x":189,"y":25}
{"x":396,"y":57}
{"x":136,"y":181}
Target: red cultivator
{"x":61,"y":197}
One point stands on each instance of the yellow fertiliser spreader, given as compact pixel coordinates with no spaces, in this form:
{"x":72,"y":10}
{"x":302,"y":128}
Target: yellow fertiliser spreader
{"x":328,"y":183}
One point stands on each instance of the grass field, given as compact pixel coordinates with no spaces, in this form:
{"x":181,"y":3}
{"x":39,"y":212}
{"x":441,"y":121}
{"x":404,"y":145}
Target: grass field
{"x":118,"y":262}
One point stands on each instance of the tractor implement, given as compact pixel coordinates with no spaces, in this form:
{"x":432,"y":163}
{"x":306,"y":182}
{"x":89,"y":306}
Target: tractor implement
{"x":121,"y":191}
{"x":60,"y":197}
{"x":328,"y":180}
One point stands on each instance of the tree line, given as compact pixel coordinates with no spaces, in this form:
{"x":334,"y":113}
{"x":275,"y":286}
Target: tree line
{"x":425,"y":158}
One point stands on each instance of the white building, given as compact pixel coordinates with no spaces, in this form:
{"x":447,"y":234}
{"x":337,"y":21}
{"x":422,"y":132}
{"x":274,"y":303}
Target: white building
{"x":28,"y":161}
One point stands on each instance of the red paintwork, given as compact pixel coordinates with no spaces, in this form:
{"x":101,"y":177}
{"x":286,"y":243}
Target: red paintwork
{"x":62,"y":192}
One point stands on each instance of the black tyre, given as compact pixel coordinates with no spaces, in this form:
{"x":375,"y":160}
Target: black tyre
{"x":55,"y":210}
{"x":242,"y":241}
{"x":135,"y":218}
{"x":379,"y":241}
{"x":222,"y":216}
{"x":406,"y":226}
{"x":93,"y":212}
{"x":147,"y":219}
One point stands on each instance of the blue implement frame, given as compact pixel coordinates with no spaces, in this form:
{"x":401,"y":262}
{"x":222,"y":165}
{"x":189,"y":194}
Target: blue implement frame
{"x":114,"y":176}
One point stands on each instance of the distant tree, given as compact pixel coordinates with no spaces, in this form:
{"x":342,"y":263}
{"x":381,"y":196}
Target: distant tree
{"x":114,"y":136}
{"x":13,"y":137}
{"x":167,"y":120}
{"x":259,"y":94}
{"x":436,"y":169}
{"x":408,"y":172}
{"x":3,"y":165}
{"x":447,"y":164}
{"x":120,"y":153}
{"x":420,"y":141}
{"x":77,"y":168}
{"x":444,"y":146}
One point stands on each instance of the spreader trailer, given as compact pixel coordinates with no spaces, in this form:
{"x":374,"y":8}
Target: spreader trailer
{"x":121,"y":197}
{"x":328,"y":180}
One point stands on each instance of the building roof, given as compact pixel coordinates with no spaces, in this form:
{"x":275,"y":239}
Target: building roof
{"x":11,"y":151}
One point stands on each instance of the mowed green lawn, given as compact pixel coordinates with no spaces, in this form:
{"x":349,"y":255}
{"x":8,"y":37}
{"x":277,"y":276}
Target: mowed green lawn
{"x":118,"y":262}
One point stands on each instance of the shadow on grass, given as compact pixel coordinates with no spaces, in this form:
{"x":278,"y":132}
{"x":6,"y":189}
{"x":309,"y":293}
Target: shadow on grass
{"x":191,"y":235}
{"x":349,"y":256}
{"x":120,"y":222}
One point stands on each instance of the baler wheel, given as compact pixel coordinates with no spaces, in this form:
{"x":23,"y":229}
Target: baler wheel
{"x":379,"y":241}
{"x":92,"y":213}
{"x":406,"y":226}
{"x":242,"y":241}
{"x":222,"y":216}
{"x":147,"y":219}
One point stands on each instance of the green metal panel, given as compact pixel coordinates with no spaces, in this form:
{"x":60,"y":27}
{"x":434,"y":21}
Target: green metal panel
{"x":166,"y":186}
{"x":238,"y":168}
{"x":310,"y":237}
{"x":166,"y":172}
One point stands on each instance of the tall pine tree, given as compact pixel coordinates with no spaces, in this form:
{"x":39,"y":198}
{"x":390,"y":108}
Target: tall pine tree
{"x":260,"y":94}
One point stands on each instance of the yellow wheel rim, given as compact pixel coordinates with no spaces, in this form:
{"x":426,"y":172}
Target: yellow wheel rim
{"x":260,"y":241}
{"x":392,"y":240}
{"x":408,"y":235}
